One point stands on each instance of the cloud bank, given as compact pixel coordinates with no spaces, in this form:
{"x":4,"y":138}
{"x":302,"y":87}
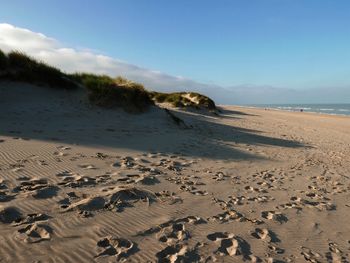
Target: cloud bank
{"x":76,"y":60}
{"x":82,"y":60}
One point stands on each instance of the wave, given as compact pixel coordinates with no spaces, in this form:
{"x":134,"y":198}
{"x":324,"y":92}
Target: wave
{"x":327,"y":109}
{"x":331,"y":109}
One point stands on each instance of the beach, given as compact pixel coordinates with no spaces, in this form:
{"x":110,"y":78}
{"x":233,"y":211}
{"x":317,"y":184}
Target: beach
{"x":84,"y":184}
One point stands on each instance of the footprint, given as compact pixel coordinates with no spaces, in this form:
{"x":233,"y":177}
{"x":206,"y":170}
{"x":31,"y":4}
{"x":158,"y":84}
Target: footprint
{"x":193,"y":190}
{"x":65,"y":148}
{"x":230,"y":245}
{"x":148,"y":180}
{"x":116,"y":164}
{"x":263,"y":233}
{"x":75,"y":180}
{"x":166,"y":196}
{"x":101,"y":155}
{"x":254,"y":189}
{"x":174,"y":233}
{"x":310,"y":255}
{"x":9,"y":215}
{"x":121,"y":197}
{"x":5,"y":197}
{"x":126,"y":180}
{"x":31,"y":185}
{"x":81,"y":181}
{"x":34,"y":233}
{"x":45,"y":192}
{"x":237,"y":200}
{"x":87,"y":204}
{"x":62,"y":154}
{"x":127,"y":162}
{"x":31,"y":218}
{"x":3,"y":184}
{"x":38,"y":188}
{"x":87,"y":166}
{"x":220,"y":176}
{"x":275,"y":216}
{"x":276,"y":250}
{"x":42,"y":162}
{"x":219,"y":235}
{"x":195,"y":220}
{"x":261,"y":199}
{"x":120,"y":248}
{"x":231,"y":215}
{"x":335,"y":254}
{"x":175,"y":253}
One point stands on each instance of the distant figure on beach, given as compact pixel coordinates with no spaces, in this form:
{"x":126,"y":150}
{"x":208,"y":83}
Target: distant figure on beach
{"x":301,"y":110}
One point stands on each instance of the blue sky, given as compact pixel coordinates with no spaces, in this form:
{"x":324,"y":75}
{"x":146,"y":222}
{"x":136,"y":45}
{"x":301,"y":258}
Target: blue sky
{"x":294,"y":44}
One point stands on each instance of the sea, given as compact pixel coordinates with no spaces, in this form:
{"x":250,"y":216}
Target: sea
{"x":332,"y":109}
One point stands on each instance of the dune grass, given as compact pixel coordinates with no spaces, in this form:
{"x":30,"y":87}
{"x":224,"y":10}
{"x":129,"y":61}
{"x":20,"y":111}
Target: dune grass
{"x":3,"y":60}
{"x":181,"y":100}
{"x":103,"y":90}
{"x":107,"y":92}
{"x":18,"y":66}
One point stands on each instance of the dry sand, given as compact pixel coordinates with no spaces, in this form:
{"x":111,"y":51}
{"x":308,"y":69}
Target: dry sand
{"x":81,"y":184}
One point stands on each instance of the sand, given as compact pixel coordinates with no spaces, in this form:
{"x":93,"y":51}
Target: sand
{"x":83,"y":184}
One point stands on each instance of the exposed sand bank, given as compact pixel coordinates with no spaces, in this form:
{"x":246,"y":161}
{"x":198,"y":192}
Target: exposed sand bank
{"x":81,"y":184}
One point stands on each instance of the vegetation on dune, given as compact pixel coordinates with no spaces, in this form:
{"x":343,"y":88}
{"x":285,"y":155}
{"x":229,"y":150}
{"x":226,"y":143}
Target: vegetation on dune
{"x":184,"y":99}
{"x":18,"y":66}
{"x":3,"y":60}
{"x":103,"y":90}
{"x":107,"y":92}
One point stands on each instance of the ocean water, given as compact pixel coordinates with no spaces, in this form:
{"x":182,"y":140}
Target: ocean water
{"x":333,"y":109}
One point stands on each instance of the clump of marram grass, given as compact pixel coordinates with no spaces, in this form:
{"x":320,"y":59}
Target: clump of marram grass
{"x":184,"y":99}
{"x":107,"y":92}
{"x":17,"y":66}
{"x":203,"y":101}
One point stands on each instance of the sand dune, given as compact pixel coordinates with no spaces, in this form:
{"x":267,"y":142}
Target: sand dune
{"x":81,"y":184}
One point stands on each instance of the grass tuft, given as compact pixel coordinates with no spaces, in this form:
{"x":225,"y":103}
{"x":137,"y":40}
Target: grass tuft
{"x":3,"y":60}
{"x":184,"y":99}
{"x":18,"y":66}
{"x":107,"y":92}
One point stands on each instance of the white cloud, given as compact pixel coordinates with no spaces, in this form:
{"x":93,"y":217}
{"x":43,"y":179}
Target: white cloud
{"x":74,"y":59}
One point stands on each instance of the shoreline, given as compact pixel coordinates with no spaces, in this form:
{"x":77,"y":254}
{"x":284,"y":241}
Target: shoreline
{"x":289,"y":111}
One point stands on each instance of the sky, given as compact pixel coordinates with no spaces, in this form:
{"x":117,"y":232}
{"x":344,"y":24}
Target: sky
{"x":236,"y":51}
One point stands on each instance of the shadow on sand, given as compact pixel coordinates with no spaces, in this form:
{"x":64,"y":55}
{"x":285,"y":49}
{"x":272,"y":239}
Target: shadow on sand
{"x":65,"y":121}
